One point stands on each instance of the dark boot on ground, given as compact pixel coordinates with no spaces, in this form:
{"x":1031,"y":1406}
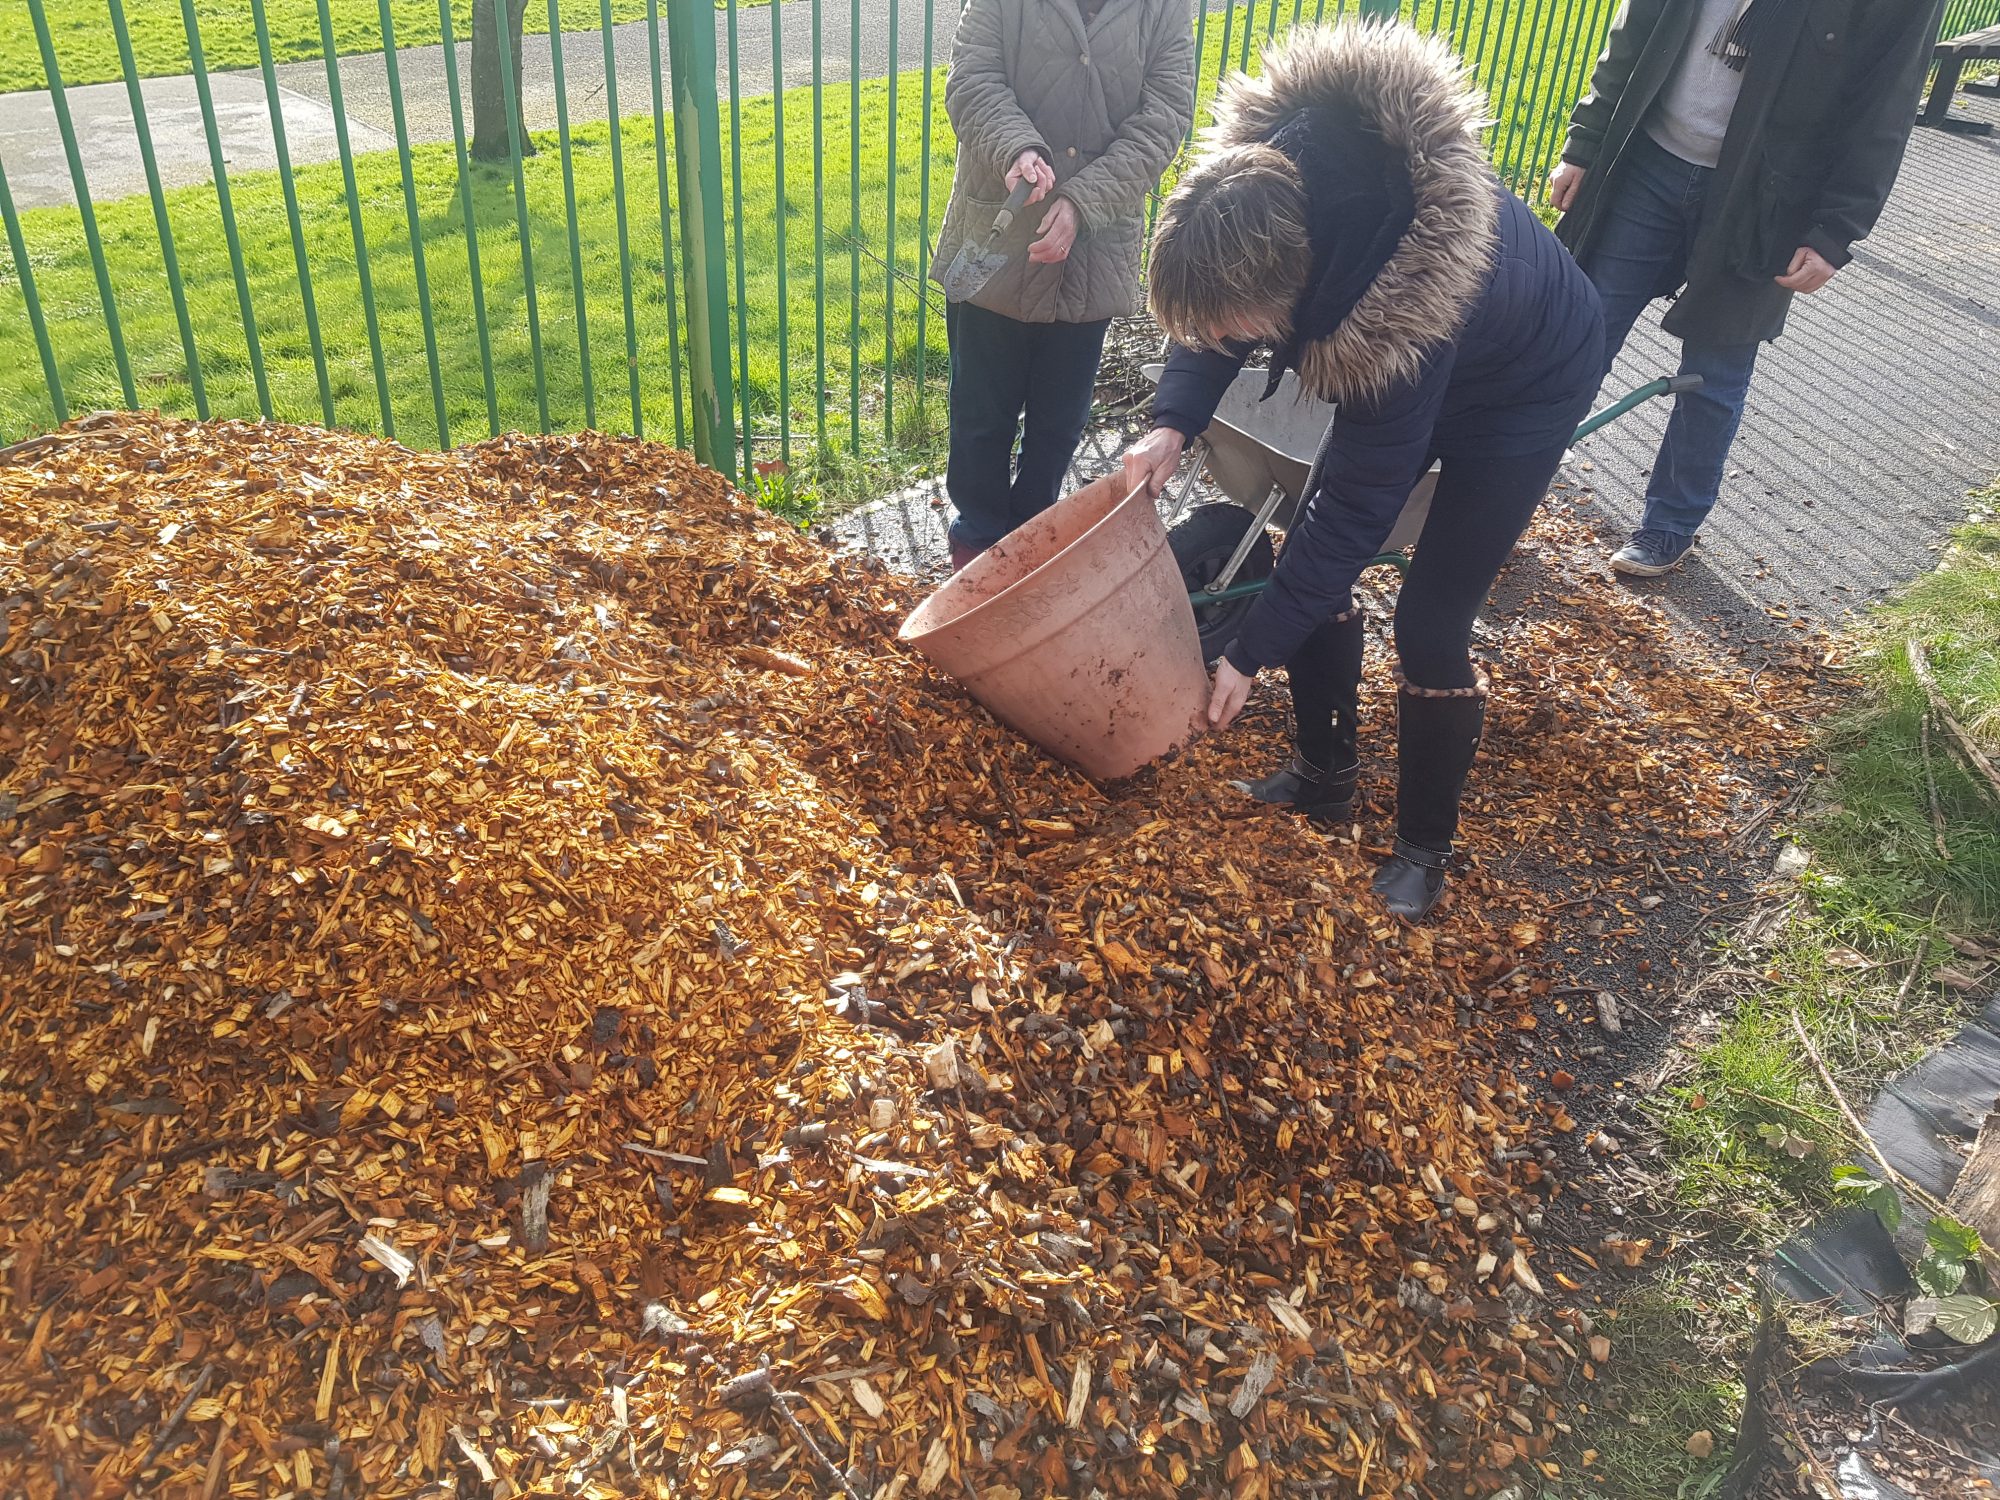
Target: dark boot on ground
{"x":1325,"y":678}
{"x":1323,"y":796}
{"x":1436,"y":740}
{"x":962,"y":553}
{"x":1411,"y":881}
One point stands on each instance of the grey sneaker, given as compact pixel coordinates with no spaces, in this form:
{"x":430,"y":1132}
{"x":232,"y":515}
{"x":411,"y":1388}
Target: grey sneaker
{"x":1651,"y":553}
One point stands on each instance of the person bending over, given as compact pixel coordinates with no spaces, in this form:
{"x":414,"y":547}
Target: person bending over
{"x":1343,"y":213}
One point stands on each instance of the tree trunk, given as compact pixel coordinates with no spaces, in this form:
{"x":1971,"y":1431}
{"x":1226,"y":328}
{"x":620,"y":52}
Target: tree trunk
{"x":489,"y":97}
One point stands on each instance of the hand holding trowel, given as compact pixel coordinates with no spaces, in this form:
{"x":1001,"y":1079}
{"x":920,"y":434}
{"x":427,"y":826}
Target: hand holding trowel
{"x":978,"y":260}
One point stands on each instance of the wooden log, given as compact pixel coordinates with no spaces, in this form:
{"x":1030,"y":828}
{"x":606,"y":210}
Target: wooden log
{"x":1975,"y":1197}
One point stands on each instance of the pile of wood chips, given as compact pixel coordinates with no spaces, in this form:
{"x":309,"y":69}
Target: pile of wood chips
{"x":516,"y":982}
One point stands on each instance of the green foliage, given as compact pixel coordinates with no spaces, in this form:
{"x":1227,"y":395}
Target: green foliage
{"x":1947,"y":1237}
{"x":1854,"y":1185}
{"x":1880,"y":832}
{"x":1938,"y":1276}
{"x":778,"y":490}
{"x":1950,"y":1250}
{"x":1967,"y":1318}
{"x":1951,"y":1254}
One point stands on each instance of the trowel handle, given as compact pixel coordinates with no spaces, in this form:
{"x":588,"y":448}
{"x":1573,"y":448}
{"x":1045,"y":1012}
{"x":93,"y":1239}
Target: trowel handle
{"x":1012,"y":206}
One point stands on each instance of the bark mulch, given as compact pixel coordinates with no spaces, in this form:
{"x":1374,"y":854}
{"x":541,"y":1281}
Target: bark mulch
{"x":515,"y":982}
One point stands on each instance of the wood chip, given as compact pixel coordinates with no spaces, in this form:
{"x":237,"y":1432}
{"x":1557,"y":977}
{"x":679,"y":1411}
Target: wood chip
{"x":1256,"y":1380}
{"x":1079,"y":1394}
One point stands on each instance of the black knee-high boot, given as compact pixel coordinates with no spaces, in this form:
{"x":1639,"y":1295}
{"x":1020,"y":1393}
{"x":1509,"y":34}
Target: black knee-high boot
{"x":1325,"y":675}
{"x":1437,"y":735}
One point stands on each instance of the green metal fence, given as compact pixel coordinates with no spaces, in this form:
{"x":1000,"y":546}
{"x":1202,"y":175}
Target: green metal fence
{"x":763,"y":311}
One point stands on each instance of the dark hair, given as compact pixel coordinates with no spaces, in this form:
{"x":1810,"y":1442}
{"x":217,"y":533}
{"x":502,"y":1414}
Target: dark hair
{"x":1231,"y":244}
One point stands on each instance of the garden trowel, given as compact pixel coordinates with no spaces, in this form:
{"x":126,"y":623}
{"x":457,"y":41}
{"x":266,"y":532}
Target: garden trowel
{"x":977,"y":260}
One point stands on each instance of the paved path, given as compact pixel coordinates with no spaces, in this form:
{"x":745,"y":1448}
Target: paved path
{"x":1867,"y":422}
{"x":38,"y":171}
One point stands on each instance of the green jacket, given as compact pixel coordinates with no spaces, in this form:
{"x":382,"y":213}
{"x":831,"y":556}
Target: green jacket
{"x":1108,"y":103}
{"x":1812,"y":150}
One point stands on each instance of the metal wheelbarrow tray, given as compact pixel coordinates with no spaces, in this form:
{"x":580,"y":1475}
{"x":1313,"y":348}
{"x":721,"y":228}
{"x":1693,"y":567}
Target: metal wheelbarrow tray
{"x":1260,"y":454}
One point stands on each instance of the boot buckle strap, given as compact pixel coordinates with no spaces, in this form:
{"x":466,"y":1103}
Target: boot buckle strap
{"x":1305,"y":770}
{"x":1416,"y":854}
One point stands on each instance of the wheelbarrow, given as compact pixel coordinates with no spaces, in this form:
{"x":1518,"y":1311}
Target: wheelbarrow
{"x":1260,"y":454}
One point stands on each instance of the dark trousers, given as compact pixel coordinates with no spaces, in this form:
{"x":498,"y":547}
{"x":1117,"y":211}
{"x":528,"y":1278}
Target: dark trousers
{"x":1001,"y":369}
{"x":1478,"y":512}
{"x":1480,"y":509}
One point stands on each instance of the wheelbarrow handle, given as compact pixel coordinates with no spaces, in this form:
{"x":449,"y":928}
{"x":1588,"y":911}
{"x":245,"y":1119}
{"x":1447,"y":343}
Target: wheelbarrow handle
{"x":1666,"y":385}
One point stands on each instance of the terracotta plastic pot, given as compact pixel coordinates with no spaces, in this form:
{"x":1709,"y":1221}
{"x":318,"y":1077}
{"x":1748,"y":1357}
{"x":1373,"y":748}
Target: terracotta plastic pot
{"x":1076,"y":632}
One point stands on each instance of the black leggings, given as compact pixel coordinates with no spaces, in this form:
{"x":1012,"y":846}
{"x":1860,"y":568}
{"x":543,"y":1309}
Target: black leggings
{"x":1478,"y":512}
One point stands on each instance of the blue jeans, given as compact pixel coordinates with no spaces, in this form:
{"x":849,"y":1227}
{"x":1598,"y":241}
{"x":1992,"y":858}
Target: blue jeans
{"x":1641,"y":254}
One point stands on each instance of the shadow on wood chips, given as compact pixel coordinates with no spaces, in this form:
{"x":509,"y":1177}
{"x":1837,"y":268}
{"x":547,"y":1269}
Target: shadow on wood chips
{"x":517,"y":982}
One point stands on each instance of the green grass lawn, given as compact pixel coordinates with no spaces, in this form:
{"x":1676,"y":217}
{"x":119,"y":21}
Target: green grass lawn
{"x":64,"y":279}
{"x":782,"y":365}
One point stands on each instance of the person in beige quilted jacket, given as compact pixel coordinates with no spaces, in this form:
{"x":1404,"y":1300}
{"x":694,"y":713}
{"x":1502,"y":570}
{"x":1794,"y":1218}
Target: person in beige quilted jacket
{"x":1088,"y":101}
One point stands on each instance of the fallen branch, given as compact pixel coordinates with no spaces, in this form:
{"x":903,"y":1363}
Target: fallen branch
{"x":1930,"y":786}
{"x":1915,"y":1189}
{"x":1766,"y":1099}
{"x":32,"y":446}
{"x":1920,"y":668}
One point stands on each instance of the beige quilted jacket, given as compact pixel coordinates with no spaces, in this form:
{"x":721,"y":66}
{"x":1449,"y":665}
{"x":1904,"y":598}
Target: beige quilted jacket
{"x":1108,"y":103}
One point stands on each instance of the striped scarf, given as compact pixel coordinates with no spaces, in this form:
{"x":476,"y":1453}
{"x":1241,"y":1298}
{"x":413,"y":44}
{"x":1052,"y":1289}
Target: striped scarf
{"x":1737,"y":37}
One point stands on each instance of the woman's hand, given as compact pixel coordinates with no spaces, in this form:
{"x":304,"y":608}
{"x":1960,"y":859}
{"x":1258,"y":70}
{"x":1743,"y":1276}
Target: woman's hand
{"x":1151,"y":461}
{"x":1058,"y":233}
{"x":1033,"y":166}
{"x":1231,"y":692}
{"x":1563,"y":183}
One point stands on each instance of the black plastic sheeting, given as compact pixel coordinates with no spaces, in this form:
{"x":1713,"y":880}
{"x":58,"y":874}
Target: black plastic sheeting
{"x":1925,"y":1122}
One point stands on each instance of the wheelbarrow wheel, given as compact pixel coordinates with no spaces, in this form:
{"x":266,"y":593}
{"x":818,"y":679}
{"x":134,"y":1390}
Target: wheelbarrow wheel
{"x":1203,"y":544}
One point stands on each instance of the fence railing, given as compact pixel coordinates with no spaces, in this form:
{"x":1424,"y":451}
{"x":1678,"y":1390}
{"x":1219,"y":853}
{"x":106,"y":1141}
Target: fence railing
{"x":667,"y":271}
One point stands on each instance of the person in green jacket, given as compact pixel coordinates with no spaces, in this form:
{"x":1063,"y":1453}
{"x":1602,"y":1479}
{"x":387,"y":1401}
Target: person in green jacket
{"x":1730,"y":152}
{"x":1087,"y":101}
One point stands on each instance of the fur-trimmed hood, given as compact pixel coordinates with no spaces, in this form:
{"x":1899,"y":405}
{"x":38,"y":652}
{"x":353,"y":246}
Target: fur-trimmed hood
{"x":1415,"y":92}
